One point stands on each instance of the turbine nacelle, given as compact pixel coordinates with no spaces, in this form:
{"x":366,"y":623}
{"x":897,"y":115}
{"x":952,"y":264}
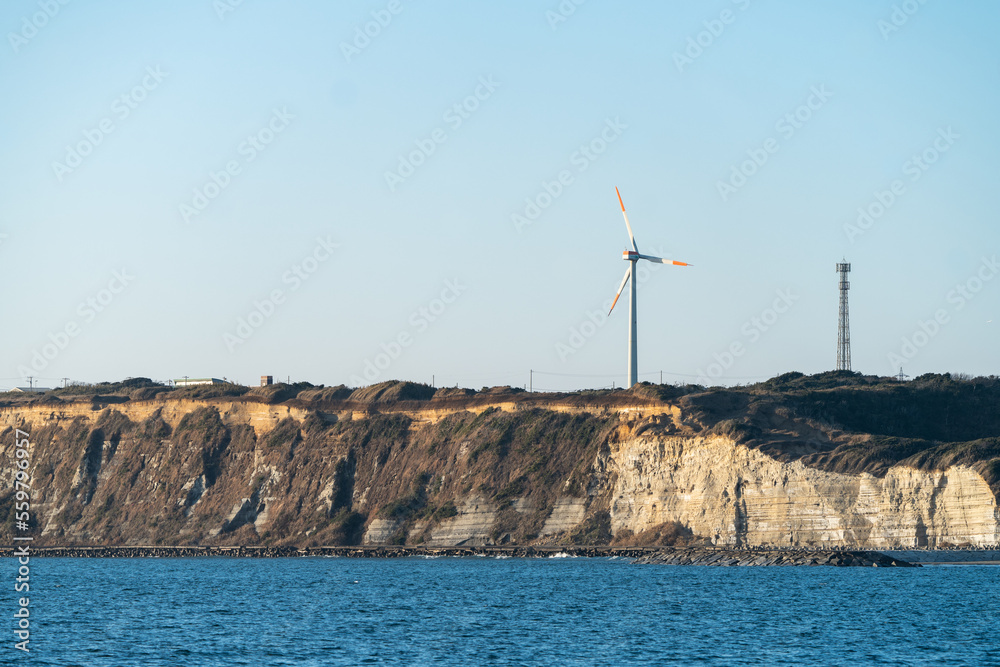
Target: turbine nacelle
{"x":630,"y":256}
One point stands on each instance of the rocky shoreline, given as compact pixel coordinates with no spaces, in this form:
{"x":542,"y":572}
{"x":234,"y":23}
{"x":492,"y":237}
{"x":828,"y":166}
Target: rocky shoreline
{"x":709,"y":556}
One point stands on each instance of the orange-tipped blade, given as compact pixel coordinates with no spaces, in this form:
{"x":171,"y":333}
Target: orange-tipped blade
{"x":631,"y":236}
{"x":620,"y":288}
{"x":613,"y":303}
{"x":660,"y":260}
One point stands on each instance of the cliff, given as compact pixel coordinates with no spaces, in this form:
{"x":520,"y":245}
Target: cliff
{"x":831,"y":460}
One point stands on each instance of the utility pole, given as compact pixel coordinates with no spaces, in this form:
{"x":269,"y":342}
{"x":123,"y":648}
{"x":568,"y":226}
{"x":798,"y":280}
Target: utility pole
{"x":902,"y":376}
{"x":65,"y":382}
{"x":31,"y":382}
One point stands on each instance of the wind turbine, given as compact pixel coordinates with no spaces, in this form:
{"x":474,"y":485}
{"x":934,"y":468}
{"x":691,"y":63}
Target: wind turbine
{"x":632,"y":257}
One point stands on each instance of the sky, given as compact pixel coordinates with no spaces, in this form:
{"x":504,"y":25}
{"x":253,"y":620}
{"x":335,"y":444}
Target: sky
{"x":358,"y":191}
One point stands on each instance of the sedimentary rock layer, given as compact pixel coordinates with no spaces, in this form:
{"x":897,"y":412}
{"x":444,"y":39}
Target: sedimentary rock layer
{"x":739,"y":496}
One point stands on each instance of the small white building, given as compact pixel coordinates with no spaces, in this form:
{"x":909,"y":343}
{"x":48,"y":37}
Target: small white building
{"x":190,"y":382}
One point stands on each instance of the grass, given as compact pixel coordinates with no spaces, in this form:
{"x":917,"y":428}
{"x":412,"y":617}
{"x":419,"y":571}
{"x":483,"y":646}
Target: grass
{"x":285,"y":433}
{"x":411,"y":502}
{"x":595,"y":529}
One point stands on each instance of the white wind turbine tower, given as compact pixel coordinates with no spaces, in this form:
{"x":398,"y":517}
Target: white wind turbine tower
{"x":632,"y":257}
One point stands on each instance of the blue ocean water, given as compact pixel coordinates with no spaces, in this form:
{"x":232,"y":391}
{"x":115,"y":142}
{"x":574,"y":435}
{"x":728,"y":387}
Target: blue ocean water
{"x":470,"y":611}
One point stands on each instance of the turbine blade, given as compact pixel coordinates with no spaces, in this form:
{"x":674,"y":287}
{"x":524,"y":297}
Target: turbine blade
{"x":660,"y":260}
{"x":620,"y":288}
{"x":631,"y":236}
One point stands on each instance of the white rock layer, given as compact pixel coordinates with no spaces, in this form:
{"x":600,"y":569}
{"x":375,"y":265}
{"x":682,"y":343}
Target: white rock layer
{"x":735,"y":495}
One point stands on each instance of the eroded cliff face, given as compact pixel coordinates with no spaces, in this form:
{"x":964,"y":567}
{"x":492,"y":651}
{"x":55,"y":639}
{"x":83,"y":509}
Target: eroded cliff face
{"x":738,"y":496}
{"x":244,"y":472}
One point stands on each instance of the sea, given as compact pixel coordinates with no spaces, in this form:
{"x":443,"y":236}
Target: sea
{"x":498,"y":611}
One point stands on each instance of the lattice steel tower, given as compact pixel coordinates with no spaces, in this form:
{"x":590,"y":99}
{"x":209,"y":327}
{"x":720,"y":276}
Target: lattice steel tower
{"x":844,"y":330}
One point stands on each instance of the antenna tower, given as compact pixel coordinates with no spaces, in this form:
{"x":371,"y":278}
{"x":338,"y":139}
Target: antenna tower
{"x":844,"y":330}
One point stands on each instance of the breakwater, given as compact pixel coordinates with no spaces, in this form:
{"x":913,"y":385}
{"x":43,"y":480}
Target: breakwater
{"x":783,"y":557}
{"x":379,"y":551}
{"x":712,"y":556}
{"x":947,"y":556}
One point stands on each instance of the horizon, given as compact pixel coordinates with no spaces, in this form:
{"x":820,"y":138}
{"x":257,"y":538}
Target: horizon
{"x":382,"y":189}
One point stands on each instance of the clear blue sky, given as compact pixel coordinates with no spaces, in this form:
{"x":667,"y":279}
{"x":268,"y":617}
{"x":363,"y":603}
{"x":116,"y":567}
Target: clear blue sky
{"x":313,"y":121}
